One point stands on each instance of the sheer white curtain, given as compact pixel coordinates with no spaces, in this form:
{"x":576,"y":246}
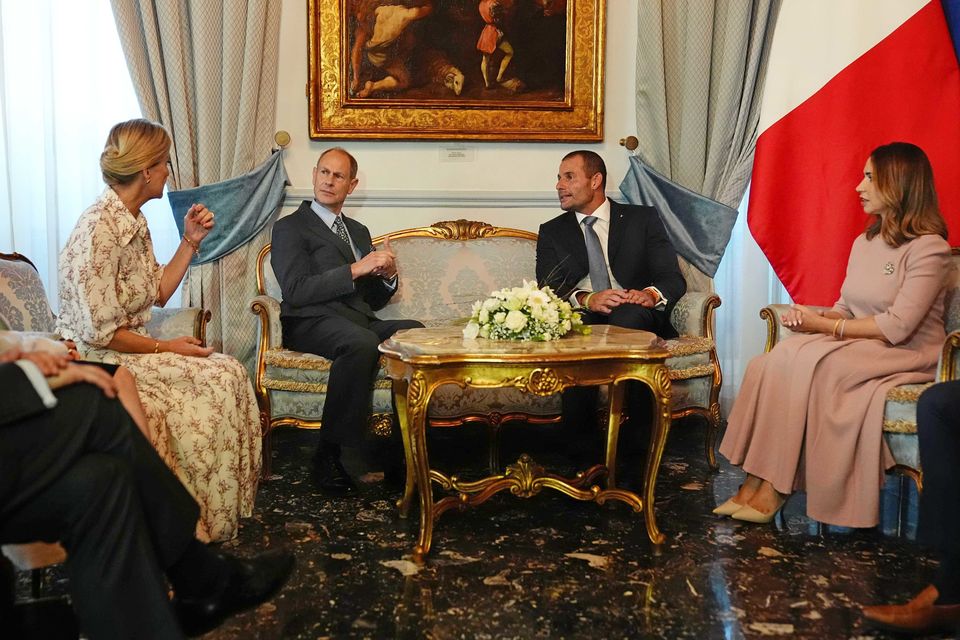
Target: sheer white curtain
{"x":745,"y":283}
{"x":63,"y":84}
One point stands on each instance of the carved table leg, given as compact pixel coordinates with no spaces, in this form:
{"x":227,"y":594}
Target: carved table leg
{"x":614,"y":406}
{"x":400,"y":399}
{"x":418,"y":396}
{"x":660,"y":385}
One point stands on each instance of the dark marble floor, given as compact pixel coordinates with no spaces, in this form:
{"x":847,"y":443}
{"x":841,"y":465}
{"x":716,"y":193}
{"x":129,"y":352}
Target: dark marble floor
{"x":550,"y":567}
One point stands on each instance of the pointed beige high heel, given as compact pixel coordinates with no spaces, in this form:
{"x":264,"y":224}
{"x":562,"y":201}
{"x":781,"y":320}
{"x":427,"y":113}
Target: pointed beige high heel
{"x":728,"y":508}
{"x":748,"y":514}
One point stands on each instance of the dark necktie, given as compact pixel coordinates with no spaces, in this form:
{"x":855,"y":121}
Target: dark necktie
{"x":341,"y":230}
{"x":599,"y":278}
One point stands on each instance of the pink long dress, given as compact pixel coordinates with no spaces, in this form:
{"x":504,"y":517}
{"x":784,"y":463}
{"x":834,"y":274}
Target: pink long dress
{"x":809,"y":414}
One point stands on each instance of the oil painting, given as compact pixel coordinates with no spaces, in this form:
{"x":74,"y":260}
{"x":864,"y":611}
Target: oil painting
{"x":456,"y":69}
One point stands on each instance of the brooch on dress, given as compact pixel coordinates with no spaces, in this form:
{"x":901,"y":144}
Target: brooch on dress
{"x":888,"y":269}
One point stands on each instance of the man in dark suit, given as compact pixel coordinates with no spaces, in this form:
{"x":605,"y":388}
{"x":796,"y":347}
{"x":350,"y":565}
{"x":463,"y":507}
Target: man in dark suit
{"x":77,"y":470}
{"x":936,"y":609}
{"x":613,"y":262}
{"x":332,"y":282}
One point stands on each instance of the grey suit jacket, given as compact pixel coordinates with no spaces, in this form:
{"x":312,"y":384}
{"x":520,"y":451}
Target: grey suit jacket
{"x":312,"y":265}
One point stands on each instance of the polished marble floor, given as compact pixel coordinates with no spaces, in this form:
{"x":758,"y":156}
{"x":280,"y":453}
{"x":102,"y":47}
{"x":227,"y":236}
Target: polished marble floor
{"x":550,"y":567}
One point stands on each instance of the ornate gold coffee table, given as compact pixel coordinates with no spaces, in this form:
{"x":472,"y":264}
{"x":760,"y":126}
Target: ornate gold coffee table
{"x":420,"y":360}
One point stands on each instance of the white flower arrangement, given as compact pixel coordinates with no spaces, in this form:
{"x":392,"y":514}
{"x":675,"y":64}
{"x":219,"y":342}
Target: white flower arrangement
{"x":523,"y":313}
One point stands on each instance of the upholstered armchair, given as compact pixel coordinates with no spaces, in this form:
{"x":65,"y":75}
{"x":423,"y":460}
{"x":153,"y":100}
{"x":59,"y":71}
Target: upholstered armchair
{"x":24,"y":307}
{"x":444,"y":269}
{"x":900,"y":410}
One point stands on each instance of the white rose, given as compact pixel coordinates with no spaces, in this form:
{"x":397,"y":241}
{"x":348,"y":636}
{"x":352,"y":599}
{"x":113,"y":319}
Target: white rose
{"x":499,"y":317}
{"x":513,"y":303}
{"x":537,"y":297}
{"x":537,"y":312}
{"x":471,"y":330}
{"x":491,"y":304}
{"x":485,"y":331}
{"x":484,"y":316}
{"x":515,"y":321}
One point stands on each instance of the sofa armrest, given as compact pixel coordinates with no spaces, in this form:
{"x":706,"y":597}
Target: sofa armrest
{"x":166,"y":324}
{"x":693,"y":314}
{"x":775,"y":329}
{"x":267,"y":309}
{"x":950,"y":358}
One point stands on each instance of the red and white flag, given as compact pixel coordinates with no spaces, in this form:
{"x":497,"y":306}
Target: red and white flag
{"x":844,"y":77}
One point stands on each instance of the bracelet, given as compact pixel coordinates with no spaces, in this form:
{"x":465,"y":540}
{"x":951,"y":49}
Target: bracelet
{"x":195,"y":247}
{"x":835,"y":325}
{"x":843,"y":323}
{"x":586,"y":301}
{"x":156,"y":347}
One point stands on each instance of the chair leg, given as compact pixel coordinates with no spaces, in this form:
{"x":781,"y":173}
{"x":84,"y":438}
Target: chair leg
{"x":266,"y":453}
{"x":903,"y":503}
{"x":713,"y":432}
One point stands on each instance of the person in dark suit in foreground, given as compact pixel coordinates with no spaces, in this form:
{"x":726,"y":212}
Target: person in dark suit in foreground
{"x":613,"y":262}
{"x":77,"y":470}
{"x":332,"y":281}
{"x":937,"y":607}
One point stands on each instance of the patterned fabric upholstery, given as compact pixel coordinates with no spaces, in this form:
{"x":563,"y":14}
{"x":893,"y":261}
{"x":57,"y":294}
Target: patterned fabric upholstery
{"x":900,"y":409}
{"x":445,"y":268}
{"x":23,"y":301}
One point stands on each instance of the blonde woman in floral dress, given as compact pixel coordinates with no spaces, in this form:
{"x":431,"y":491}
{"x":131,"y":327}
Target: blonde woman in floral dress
{"x":200,"y":404}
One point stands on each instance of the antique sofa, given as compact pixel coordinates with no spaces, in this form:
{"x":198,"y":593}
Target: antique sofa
{"x":24,"y":307}
{"x":900,"y":410}
{"x":444,"y":268}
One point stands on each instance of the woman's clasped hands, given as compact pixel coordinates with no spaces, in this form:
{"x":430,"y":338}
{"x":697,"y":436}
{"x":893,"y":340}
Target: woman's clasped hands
{"x":803,"y":319}
{"x":185,"y":346}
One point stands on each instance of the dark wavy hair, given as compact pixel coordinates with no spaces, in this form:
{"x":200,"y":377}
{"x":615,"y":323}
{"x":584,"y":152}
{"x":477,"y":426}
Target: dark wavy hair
{"x":904,"y":180}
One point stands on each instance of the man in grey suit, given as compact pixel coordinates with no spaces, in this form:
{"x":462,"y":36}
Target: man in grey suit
{"x":332,"y":282}
{"x":616,"y":266}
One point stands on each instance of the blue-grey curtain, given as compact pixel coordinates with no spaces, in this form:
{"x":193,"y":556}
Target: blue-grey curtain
{"x":243,"y":206}
{"x":698,"y":227}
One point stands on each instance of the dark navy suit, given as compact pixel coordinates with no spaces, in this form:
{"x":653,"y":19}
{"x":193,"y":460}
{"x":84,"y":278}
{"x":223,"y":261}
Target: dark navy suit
{"x":81,"y":473}
{"x":640,"y":256}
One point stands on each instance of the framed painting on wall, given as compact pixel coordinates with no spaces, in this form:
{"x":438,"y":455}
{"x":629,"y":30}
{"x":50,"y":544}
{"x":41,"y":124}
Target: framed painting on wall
{"x":456,"y":69}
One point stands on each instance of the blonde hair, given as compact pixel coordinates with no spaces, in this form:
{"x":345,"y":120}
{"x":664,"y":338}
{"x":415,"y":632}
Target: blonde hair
{"x":131,"y":147}
{"x":904,"y":180}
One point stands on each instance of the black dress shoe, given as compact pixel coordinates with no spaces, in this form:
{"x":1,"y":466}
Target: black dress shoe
{"x":249,"y":582}
{"x":329,"y":476}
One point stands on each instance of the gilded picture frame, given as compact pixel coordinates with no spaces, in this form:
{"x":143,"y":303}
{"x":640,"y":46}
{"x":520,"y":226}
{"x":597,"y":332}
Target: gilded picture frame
{"x":519,"y":70}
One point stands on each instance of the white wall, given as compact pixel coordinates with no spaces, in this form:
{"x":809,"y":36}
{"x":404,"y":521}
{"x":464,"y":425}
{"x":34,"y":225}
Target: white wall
{"x":404,"y":184}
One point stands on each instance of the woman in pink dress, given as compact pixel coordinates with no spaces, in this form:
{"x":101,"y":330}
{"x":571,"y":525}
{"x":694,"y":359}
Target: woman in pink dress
{"x":810,"y":412}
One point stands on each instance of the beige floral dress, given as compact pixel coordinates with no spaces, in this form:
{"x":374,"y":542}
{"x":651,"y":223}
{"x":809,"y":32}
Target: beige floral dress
{"x":202,"y":410}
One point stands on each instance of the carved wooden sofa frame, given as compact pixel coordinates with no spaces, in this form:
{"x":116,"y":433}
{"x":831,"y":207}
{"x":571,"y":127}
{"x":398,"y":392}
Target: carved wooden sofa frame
{"x":475,"y":259}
